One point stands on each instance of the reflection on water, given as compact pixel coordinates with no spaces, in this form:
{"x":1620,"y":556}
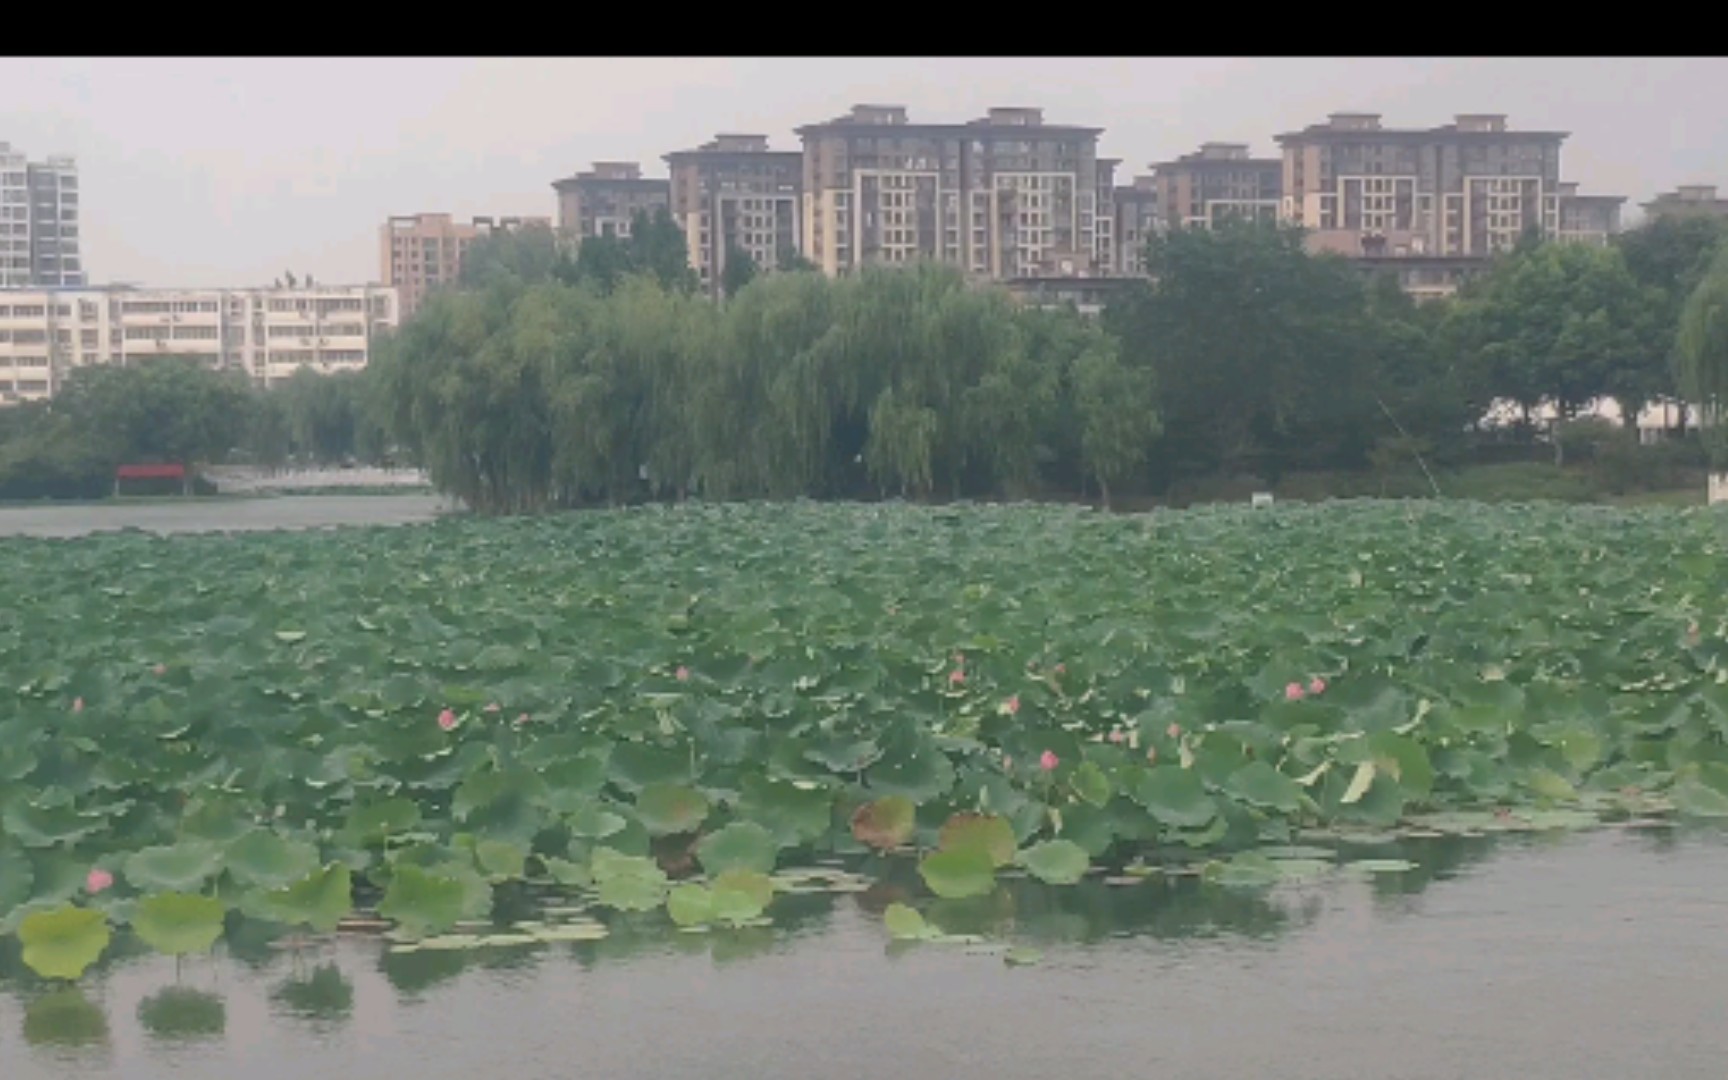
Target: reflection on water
{"x":1559,"y":957}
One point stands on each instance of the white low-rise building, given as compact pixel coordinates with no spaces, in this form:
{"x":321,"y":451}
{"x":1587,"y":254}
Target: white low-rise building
{"x":268,"y":333}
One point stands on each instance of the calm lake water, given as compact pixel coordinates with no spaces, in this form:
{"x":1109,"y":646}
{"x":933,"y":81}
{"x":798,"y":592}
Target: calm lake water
{"x":1541,"y":958}
{"x":215,"y":515}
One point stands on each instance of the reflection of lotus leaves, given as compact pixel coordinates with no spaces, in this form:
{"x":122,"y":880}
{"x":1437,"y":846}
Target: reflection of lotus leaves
{"x":324,"y":995}
{"x":180,"y":1012}
{"x":64,"y":1018}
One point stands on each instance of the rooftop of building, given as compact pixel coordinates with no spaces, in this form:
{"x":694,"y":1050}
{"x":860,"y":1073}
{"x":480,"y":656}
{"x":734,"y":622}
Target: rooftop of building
{"x":995,"y":121}
{"x":1354,"y":125}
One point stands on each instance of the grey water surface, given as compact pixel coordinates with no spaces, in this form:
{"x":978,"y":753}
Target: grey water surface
{"x":1561,"y":957}
{"x":218,"y":515}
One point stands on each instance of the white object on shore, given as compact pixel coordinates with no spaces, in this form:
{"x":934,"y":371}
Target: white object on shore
{"x":1262,"y":498}
{"x":1718,"y":488}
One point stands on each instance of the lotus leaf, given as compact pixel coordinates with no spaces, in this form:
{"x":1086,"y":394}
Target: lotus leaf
{"x":1056,"y":862}
{"x":62,"y":943}
{"x":667,"y":808}
{"x":742,"y":845}
{"x":985,"y":831}
{"x":886,"y":823}
{"x":955,"y":875}
{"x":176,"y":923}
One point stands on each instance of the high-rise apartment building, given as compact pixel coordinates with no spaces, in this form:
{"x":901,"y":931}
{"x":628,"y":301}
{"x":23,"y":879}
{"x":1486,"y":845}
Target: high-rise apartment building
{"x":1135,"y":208}
{"x":735,"y":194}
{"x":1000,"y":197}
{"x":1586,"y":219}
{"x":421,"y":252}
{"x":38,"y":222}
{"x":606,"y":199}
{"x":1218,"y":182}
{"x":1106,"y":252}
{"x":268,"y":333}
{"x":1469,"y":188}
{"x":1690,"y":200}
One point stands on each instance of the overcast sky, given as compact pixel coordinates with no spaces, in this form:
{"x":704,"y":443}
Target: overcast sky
{"x":227,"y":172}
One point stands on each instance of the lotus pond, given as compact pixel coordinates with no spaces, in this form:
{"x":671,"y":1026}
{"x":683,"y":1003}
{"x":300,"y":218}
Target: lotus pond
{"x":686,"y":722}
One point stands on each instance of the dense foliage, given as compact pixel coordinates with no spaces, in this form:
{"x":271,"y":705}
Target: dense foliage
{"x":524,"y":394}
{"x":558,"y":380}
{"x":423,"y":719}
{"x":177,"y":410}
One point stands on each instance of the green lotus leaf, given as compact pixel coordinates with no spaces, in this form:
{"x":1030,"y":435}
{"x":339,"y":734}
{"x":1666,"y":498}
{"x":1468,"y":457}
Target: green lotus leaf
{"x":633,"y":893}
{"x":320,"y":900}
{"x":181,"y":1012}
{"x":264,"y":859}
{"x":666,"y":809}
{"x":1056,"y":862}
{"x":1695,"y":799}
{"x":422,"y":902}
{"x":178,"y":923}
{"x":1175,"y":796}
{"x":739,"y":896}
{"x":991,"y":834}
{"x":500,"y":860}
{"x":1090,"y":784}
{"x":690,"y":905}
{"x":1259,"y":784}
{"x":904,"y":923}
{"x":16,"y":878}
{"x":885,"y":823}
{"x":371,"y":822}
{"x":64,"y":942}
{"x":39,"y":826}
{"x":955,"y":875}
{"x":742,"y":845}
{"x":795,"y":815}
{"x":593,"y":821}
{"x":182,"y":867}
{"x":1022,"y":957}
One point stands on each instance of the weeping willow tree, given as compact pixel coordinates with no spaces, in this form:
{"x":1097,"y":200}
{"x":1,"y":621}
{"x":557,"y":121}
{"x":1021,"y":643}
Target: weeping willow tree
{"x":1701,"y":355}
{"x":526,"y":393}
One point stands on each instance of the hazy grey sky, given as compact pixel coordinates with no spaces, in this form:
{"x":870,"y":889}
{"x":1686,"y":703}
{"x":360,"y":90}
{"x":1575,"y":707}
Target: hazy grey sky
{"x":227,"y":172}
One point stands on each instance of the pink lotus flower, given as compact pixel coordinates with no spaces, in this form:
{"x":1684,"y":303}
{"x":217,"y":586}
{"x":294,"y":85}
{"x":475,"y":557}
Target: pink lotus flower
{"x":494,"y":707}
{"x":956,"y":677}
{"x":1048,"y":760}
{"x":97,"y":880}
{"x":1174,"y":731}
{"x":1007,"y":762}
{"x":523,"y":719}
{"x":682,"y":674}
{"x":1293,"y":692}
{"x":1061,"y":669}
{"x":1012,"y":705}
{"x":447,"y":720}
{"x":77,"y":704}
{"x":160,"y":669}
{"x":1318,"y":686}
{"x":1151,"y":754}
{"x":1116,"y":735}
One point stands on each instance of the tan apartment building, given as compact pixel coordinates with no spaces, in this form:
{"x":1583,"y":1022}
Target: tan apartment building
{"x":1587,"y":219}
{"x":1218,"y":182}
{"x":1469,"y":188}
{"x":422,"y":252}
{"x":604,"y":200}
{"x":1689,"y":200}
{"x":1108,"y":255}
{"x":1000,"y":196}
{"x":1135,"y":208}
{"x":736,"y":194}
{"x":268,"y":333}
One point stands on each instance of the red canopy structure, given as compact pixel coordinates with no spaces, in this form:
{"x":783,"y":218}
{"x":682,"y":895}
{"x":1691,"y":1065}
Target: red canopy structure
{"x":150,"y":472}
